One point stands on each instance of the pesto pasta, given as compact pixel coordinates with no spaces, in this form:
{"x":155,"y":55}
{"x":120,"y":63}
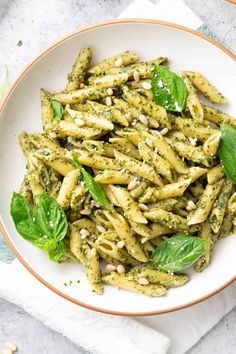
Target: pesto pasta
{"x":132,"y":163}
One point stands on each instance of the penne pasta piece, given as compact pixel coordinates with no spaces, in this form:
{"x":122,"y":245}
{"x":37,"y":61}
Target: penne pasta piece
{"x":93,"y":271}
{"x":114,"y":177}
{"x":57,"y":161}
{"x":217,"y":117}
{"x":122,"y":281}
{"x":205,"y":87}
{"x":25,"y":190}
{"x":81,"y":96}
{"x":127,"y":203}
{"x":68,"y":185}
{"x":109,"y":80}
{"x":47,"y":110}
{"x":173,"y":221}
{"x":169,"y":204}
{"x":80,"y":67}
{"x":193,"y":129}
{"x":206,"y":202}
{"x":90,"y":119}
{"x":211,"y":145}
{"x":125,"y":146}
{"x":214,"y":174}
{"x":76,"y":244}
{"x":65,"y":129}
{"x":121,"y":59}
{"x":205,"y":234}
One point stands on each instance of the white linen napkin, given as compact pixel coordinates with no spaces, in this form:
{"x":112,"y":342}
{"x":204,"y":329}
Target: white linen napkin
{"x":98,"y":333}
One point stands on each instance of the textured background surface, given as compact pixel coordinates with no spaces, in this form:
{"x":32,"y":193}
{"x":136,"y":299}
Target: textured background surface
{"x":37,"y":23}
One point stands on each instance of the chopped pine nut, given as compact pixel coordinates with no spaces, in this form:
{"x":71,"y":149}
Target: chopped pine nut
{"x":142,"y":207}
{"x":120,"y":244}
{"x":108,"y":101}
{"x":164,"y":131}
{"x":128,"y":116}
{"x":82,"y":85}
{"x":149,"y":142}
{"x":110,"y":91}
{"x":11,"y":346}
{"x":120,"y":268}
{"x":119,"y":62}
{"x":146,"y":85}
{"x":132,"y":184}
{"x":93,"y":252}
{"x":101,"y":228}
{"x":136,"y":76}
{"x":85,"y":212}
{"x":52,"y":135}
{"x":193,"y":141}
{"x":143,"y":119}
{"x":79,"y":122}
{"x":110,"y":267}
{"x":84,"y":233}
{"x":190,"y":205}
{"x":143,"y":281}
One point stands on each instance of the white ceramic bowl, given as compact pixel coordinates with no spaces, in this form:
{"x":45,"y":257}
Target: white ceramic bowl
{"x":21,"y":110}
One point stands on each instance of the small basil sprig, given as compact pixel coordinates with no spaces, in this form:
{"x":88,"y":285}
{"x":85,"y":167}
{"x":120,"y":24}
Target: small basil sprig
{"x":227,"y":151}
{"x":4,"y":85}
{"x":46,"y":227}
{"x":93,"y":187}
{"x":177,"y":253}
{"x":169,"y":90}
{"x":58,"y":110}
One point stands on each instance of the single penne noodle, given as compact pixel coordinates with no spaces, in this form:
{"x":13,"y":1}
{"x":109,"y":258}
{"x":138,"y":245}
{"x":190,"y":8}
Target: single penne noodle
{"x":193,"y":102}
{"x":76,"y":244}
{"x":95,"y":161}
{"x":58,"y":162}
{"x":81,"y":96}
{"x":155,"y":276}
{"x":164,"y":149}
{"x":114,"y":177}
{"x":139,"y":168}
{"x":205,"y":203}
{"x":80,"y":67}
{"x":211,"y":145}
{"x":26,"y":145}
{"x":124,"y":282}
{"x":47,"y":110}
{"x":205,"y":234}
{"x":161,"y":165}
{"x":169,"y":204}
{"x":171,"y":220}
{"x":65,"y":129}
{"x":228,"y":225}
{"x":127,"y":203}
{"x":193,"y":129}
{"x":110,"y":248}
{"x":93,"y":271}
{"x":219,"y":207}
{"x":42,"y":141}
{"x":68,"y":185}
{"x":140,"y":229}
{"x":25,"y":190}
{"x":214,"y":174}
{"x":91,"y":119}
{"x":101,"y":148}
{"x":156,"y":230}
{"x":217,"y":117}
{"x":124,"y":58}
{"x":109,"y":80}
{"x":205,"y":87}
{"x":123,"y":230}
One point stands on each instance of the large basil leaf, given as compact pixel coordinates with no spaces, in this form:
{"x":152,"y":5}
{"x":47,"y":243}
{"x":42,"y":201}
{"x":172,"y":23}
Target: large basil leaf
{"x":227,"y":151}
{"x":169,"y":90}
{"x":93,"y":187}
{"x":177,"y":253}
{"x":50,"y":217}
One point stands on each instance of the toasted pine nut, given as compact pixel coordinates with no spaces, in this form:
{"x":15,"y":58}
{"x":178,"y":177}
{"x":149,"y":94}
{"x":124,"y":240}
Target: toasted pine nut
{"x":143,"y":119}
{"x":120,"y":244}
{"x":52,"y":135}
{"x":136,"y":76}
{"x":11,"y":346}
{"x":84,"y":233}
{"x":142,"y":207}
{"x":164,"y":131}
{"x":85,"y":212}
{"x":82,"y":85}
{"x":119,"y":62}
{"x":193,"y":141}
{"x":110,"y":267}
{"x":101,"y":228}
{"x":108,"y":101}
{"x":110,"y":91}
{"x":146,"y":85}
{"x":93,"y":252}
{"x":120,"y":268}
{"x":190,"y":205}
{"x":79,"y":122}
{"x":132,"y":184}
{"x":128,"y":116}
{"x":143,"y":281}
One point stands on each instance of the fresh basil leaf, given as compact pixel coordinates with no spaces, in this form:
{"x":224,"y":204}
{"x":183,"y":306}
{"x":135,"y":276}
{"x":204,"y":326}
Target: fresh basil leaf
{"x":58,"y":110}
{"x":169,"y":90}
{"x":227,"y":151}
{"x":177,"y":253}
{"x":50,"y":217}
{"x":93,"y":187}
{"x":58,"y":253}
{"x":23,"y":218}
{"x":4,"y":85}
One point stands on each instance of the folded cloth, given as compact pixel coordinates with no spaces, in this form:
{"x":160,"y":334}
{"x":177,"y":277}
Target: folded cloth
{"x":98,"y":333}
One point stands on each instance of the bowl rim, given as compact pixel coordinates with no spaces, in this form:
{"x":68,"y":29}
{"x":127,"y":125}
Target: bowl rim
{"x":3,"y":104}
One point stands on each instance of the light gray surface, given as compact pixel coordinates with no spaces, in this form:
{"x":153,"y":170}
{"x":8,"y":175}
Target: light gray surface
{"x":28,"y":21}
